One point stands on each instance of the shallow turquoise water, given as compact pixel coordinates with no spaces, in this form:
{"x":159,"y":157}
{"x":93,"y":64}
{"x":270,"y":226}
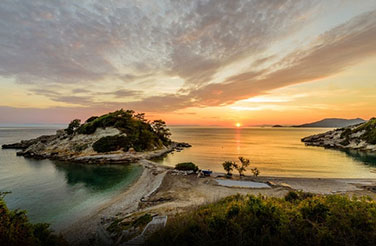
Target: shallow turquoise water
{"x":56,"y":192}
{"x":275,"y":151}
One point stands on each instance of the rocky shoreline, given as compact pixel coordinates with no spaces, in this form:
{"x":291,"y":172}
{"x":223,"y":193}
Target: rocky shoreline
{"x":78,"y":149}
{"x":358,"y":137}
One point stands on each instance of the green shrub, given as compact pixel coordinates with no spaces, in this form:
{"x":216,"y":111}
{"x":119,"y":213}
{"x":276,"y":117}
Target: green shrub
{"x":298,"y":219}
{"x":73,"y":126}
{"x":142,"y":221}
{"x":15,"y":229}
{"x":141,"y":135}
{"x":92,"y":118}
{"x":111,"y":143}
{"x":187,"y":166}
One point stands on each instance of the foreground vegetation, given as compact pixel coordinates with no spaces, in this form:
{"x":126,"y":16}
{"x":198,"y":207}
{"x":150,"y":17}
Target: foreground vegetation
{"x":297,"y":219}
{"x":15,"y":229}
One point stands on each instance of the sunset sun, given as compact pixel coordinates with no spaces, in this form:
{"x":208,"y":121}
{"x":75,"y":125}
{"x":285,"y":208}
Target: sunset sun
{"x":238,"y":125}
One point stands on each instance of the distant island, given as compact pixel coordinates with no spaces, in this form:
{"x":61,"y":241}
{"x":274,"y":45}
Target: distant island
{"x":357,"y":137}
{"x":120,"y":136}
{"x":333,"y":122}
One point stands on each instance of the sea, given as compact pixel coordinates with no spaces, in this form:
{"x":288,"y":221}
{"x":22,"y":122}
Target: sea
{"x":59,"y":193}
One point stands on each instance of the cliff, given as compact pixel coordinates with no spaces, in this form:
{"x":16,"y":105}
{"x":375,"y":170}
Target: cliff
{"x":357,"y":137}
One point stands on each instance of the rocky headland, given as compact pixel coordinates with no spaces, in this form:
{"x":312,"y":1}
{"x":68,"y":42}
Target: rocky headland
{"x":117,"y":137}
{"x":356,"y":137}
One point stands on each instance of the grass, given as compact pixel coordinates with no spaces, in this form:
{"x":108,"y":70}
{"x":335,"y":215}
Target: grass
{"x":297,"y":219}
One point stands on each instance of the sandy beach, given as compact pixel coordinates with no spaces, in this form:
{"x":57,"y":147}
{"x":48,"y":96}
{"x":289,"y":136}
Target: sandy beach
{"x":160,"y":190}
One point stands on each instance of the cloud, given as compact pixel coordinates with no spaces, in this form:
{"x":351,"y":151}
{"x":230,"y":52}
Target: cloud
{"x":80,"y":100}
{"x":331,"y":53}
{"x":132,"y":46}
{"x":45,"y":92}
{"x":87,"y":41}
{"x":80,"y":90}
{"x":123,"y":93}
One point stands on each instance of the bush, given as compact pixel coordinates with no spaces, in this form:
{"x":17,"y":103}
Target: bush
{"x":187,"y":166}
{"x":298,"y":219}
{"x":141,"y":135}
{"x":73,"y":125}
{"x":111,"y":143}
{"x":92,"y":118}
{"x":15,"y":229}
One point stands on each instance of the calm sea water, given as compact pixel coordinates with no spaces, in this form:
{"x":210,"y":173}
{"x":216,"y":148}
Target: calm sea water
{"x":53,"y":192}
{"x":59,"y":193}
{"x":274,"y":151}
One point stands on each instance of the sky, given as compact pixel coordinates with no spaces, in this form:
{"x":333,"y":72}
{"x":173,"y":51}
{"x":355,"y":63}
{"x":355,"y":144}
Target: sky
{"x":209,"y":62}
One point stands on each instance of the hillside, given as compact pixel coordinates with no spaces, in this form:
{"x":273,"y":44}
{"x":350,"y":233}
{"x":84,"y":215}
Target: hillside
{"x":359,"y":137}
{"x":333,"y":122}
{"x":114,"y":137}
{"x":297,"y":219}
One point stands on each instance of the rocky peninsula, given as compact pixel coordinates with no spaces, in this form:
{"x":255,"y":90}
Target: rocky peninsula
{"x":356,"y":137}
{"x":117,"y":137}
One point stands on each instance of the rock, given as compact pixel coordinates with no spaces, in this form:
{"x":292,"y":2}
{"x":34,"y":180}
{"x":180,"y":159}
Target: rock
{"x":131,"y":150}
{"x":24,"y":144}
{"x":78,"y":148}
{"x":285,"y":185}
{"x":183,"y":145}
{"x":359,"y":137}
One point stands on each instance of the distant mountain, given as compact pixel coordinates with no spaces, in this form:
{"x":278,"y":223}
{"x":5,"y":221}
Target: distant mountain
{"x":276,"y":126}
{"x":334,"y":122}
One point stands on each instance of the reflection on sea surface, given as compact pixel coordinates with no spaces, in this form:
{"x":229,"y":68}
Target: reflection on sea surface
{"x":274,"y":151}
{"x":94,"y":177}
{"x":367,"y":158}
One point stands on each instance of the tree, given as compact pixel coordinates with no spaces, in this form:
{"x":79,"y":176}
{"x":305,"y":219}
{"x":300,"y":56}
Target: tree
{"x":140,"y":117}
{"x":255,"y":171}
{"x":73,"y":125}
{"x":228,"y":166}
{"x":243,"y":167}
{"x":159,"y":126}
{"x":128,"y":112}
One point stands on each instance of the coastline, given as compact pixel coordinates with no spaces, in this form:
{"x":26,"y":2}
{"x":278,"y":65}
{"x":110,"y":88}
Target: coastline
{"x":160,"y":190}
{"x":124,"y":203}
